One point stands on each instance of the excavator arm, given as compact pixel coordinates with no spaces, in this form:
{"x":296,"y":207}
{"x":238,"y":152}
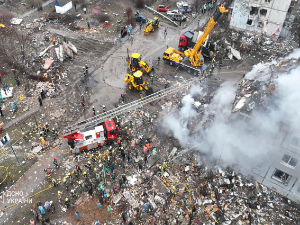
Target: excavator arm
{"x":193,"y":54}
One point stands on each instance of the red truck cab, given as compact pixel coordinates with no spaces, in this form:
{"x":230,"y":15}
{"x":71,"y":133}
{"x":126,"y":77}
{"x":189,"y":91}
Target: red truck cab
{"x":185,"y":41}
{"x":111,"y":130}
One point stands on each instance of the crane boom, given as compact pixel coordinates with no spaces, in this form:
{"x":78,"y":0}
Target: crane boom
{"x":192,"y":53}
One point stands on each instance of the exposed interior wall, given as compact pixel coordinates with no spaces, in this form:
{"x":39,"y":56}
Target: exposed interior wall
{"x":64,"y":8}
{"x":260,"y":16}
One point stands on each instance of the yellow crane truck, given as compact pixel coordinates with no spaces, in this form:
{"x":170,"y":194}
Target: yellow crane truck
{"x":175,"y":58}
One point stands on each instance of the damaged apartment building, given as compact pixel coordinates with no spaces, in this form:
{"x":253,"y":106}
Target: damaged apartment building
{"x":264,"y":17}
{"x":281,"y":171}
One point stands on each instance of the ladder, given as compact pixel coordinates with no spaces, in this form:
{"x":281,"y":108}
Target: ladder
{"x":94,"y":121}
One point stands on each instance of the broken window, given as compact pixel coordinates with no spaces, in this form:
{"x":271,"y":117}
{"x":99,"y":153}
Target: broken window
{"x":281,"y":176}
{"x":289,"y":160}
{"x":254,"y":10}
{"x":249,"y":22}
{"x":296,"y":142}
{"x":263,"y":12}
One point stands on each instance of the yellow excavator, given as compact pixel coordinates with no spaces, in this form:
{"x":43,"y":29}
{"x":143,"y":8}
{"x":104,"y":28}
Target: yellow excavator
{"x":135,"y":63}
{"x":175,"y":57}
{"x":151,"y":25}
{"x":135,"y":82}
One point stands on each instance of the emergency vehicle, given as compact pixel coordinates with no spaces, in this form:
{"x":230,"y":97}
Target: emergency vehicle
{"x":91,"y":139}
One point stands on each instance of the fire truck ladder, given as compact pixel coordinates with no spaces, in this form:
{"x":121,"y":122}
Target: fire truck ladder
{"x":94,"y":121}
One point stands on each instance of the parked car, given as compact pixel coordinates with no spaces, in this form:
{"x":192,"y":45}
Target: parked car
{"x":178,"y":17}
{"x":172,"y":12}
{"x":140,"y":18}
{"x":182,"y":4}
{"x":162,"y":8}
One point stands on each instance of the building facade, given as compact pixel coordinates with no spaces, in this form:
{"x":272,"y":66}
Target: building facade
{"x":264,"y":17}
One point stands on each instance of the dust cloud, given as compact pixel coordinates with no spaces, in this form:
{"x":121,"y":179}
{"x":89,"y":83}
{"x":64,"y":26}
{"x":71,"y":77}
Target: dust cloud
{"x":240,"y":142}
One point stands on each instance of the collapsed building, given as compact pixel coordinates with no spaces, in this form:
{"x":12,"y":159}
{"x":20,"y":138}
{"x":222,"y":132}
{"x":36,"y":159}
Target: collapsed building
{"x":281,"y":172}
{"x":265,"y":17}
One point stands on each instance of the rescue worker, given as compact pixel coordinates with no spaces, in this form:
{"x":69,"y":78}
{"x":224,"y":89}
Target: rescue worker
{"x":78,"y":168}
{"x":85,"y":174}
{"x":144,"y":121}
{"x":48,"y":174}
{"x":55,"y":162}
{"x":131,"y":124}
{"x":54,"y":182}
{"x":104,"y":108}
{"x":94,"y":111}
{"x":89,"y":166}
{"x":59,"y":195}
{"x":73,"y":195}
{"x":54,"y":133}
{"x":76,"y":173}
{"x":122,"y":96}
{"x":66,"y":184}
{"x":52,"y":207}
{"x":67,"y":203}
{"x":80,"y":185}
{"x":69,"y":175}
{"x":84,"y":71}
{"x":47,"y":128}
{"x":164,"y":165}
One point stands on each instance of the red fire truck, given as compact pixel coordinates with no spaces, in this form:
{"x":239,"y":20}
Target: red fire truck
{"x":91,"y":139}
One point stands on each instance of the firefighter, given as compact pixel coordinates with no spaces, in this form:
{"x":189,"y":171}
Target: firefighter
{"x":94,"y":111}
{"x":70,"y":178}
{"x":59,"y":195}
{"x":164,"y":165}
{"x":118,"y":123}
{"x":89,"y":166}
{"x":69,"y":175}
{"x":86,"y":69}
{"x":80,"y":185}
{"x":131,"y":123}
{"x":66,"y":184}
{"x":44,"y":131}
{"x":94,"y":159}
{"x":54,"y":182}
{"x":104,"y":108}
{"x":82,"y":103}
{"x":48,"y":174}
{"x":144,"y":121}
{"x":78,"y":168}
{"x":67,"y":203}
{"x":76,"y":173}
{"x":47,"y":127}
{"x":55,"y":162}
{"x":73,"y":195}
{"x":43,"y":141}
{"x":54,"y":132}
{"x":85,"y":174}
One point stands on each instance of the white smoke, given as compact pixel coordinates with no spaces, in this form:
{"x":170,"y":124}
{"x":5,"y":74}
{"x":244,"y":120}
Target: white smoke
{"x":240,"y":142}
{"x":294,"y":55}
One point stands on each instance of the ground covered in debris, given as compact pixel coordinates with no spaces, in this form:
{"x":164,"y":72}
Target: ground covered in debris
{"x":156,"y":179}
